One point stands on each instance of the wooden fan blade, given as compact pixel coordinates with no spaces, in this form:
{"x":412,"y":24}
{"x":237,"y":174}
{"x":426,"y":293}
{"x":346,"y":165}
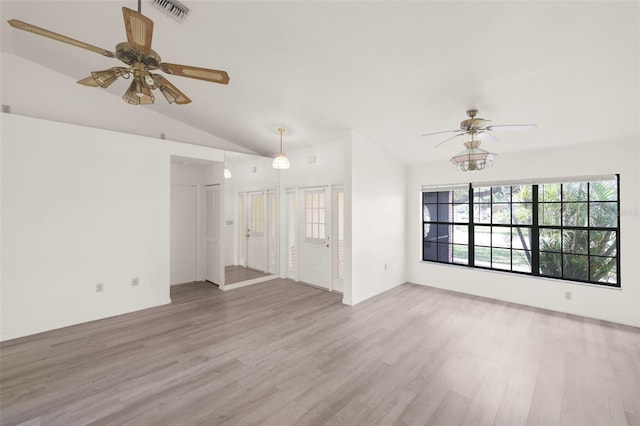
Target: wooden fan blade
{"x":205,"y":74}
{"x":439,"y":133}
{"x":58,"y":37}
{"x":139,"y":30}
{"x":447,"y":140}
{"x":513,"y":127}
{"x":170,"y":92}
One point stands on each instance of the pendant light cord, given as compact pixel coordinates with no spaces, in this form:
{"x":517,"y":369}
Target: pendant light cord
{"x":140,"y":6}
{"x":281,"y":131}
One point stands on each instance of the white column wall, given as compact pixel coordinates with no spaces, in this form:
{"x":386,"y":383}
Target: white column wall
{"x":617,"y":305}
{"x":377,"y":228}
{"x":81,"y":206}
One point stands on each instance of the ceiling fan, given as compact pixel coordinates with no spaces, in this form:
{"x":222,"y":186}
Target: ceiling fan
{"x":480,"y":128}
{"x":136,"y":53}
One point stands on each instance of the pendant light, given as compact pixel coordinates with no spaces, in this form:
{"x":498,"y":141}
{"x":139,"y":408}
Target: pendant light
{"x":281,"y":162}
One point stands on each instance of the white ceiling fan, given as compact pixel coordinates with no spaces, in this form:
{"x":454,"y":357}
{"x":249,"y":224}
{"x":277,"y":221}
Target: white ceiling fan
{"x":480,"y":128}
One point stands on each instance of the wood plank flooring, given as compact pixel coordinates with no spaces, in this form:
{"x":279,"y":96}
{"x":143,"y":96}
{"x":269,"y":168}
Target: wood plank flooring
{"x":281,"y":353}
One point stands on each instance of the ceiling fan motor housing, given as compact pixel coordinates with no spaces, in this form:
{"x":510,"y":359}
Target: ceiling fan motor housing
{"x":127,"y":54}
{"x":474,"y":124}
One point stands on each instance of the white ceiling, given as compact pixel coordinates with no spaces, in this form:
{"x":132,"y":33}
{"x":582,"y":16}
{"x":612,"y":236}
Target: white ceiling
{"x":390,"y":70}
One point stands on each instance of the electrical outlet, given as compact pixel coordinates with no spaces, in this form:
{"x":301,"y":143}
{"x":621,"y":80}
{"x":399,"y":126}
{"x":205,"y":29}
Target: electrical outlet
{"x":568,"y":295}
{"x":135,"y":281}
{"x":99,"y":287}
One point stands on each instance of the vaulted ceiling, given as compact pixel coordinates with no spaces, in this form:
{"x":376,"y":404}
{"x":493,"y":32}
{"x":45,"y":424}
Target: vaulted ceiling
{"x":390,"y":70}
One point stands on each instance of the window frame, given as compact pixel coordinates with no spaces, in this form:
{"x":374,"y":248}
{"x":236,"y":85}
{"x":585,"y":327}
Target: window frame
{"x":309,"y":210}
{"x":534,"y":228}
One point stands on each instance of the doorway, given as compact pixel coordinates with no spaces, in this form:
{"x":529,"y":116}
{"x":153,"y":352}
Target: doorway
{"x":196,"y":228}
{"x":315,"y":236}
{"x":314,"y":254}
{"x":257,"y":237}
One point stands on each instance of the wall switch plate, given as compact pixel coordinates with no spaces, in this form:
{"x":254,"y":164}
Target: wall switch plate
{"x":135,"y":281}
{"x":99,"y":287}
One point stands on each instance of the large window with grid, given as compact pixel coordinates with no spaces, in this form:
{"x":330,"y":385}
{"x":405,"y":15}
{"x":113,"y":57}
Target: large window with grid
{"x":567,"y":229}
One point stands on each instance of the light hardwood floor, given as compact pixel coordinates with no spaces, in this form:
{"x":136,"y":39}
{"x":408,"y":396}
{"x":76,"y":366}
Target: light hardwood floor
{"x":281,"y":353}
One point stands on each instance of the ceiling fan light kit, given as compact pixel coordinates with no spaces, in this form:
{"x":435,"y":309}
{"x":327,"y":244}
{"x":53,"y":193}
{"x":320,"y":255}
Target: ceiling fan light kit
{"x":141,"y":60}
{"x":473,"y":158}
{"x":281,"y":162}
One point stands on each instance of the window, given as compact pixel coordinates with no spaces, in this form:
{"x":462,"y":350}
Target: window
{"x":314,"y":214}
{"x":567,"y":230}
{"x":579,"y":231}
{"x":446,"y":226}
{"x":503,"y":221}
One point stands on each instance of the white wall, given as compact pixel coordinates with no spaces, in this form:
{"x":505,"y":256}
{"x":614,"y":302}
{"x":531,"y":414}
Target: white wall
{"x":377,"y":228}
{"x":80,"y":206}
{"x":327,"y":168}
{"x":618,"y":305}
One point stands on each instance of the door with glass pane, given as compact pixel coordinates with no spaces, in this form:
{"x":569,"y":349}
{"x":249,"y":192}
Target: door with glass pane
{"x":256,"y":236}
{"x":314,"y":254}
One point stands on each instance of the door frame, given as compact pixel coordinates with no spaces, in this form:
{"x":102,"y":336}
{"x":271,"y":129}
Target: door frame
{"x":331,"y":229}
{"x":244,"y":211}
{"x":335,"y":215}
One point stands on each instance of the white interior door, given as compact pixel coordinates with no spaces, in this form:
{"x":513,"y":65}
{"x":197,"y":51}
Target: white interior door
{"x":212,"y":214}
{"x":256,"y":231}
{"x":183,"y":233}
{"x":314,"y":254}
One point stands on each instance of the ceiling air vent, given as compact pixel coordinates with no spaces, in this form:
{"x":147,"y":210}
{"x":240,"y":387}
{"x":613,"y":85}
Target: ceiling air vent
{"x":172,"y":8}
